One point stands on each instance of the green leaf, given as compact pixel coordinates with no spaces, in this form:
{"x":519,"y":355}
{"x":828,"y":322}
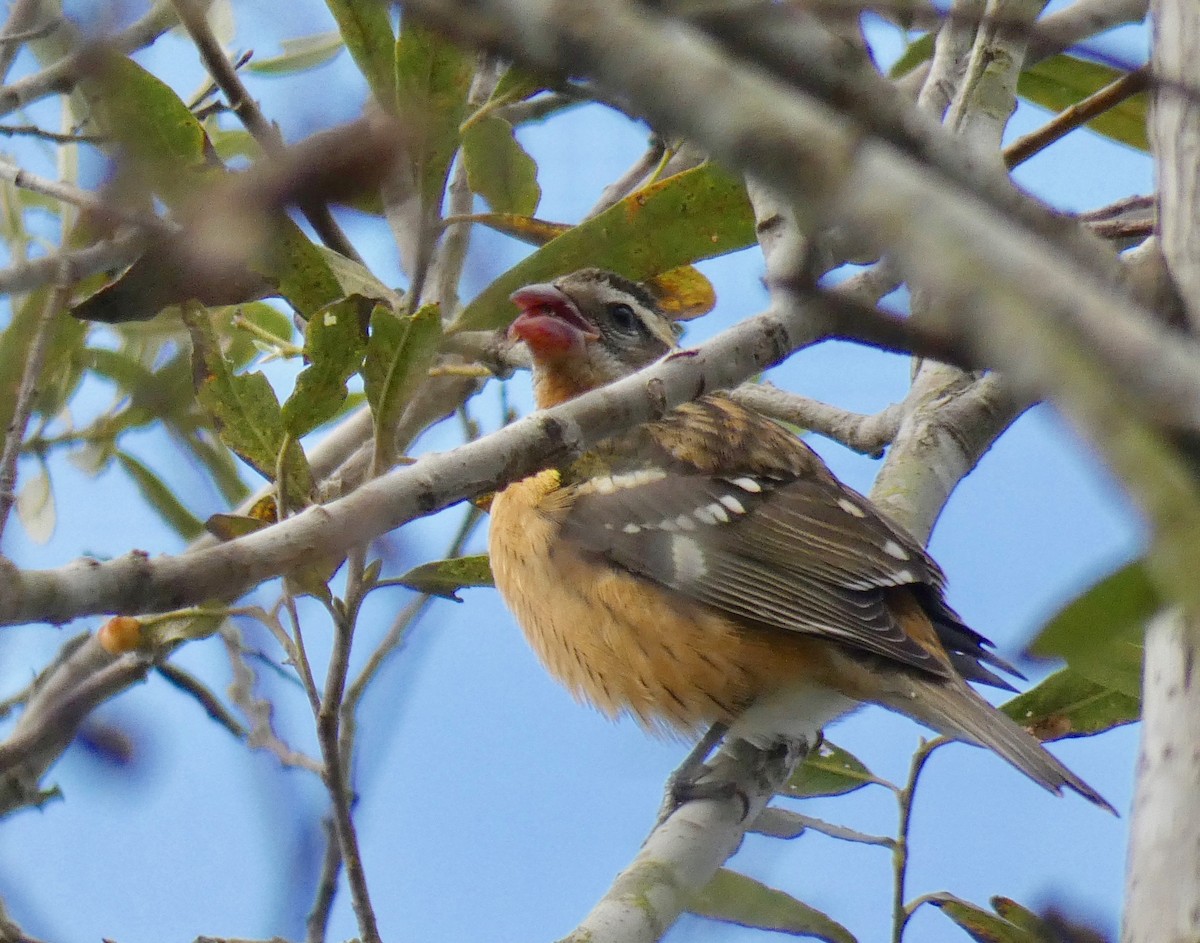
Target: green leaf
{"x":1021,"y":917}
{"x":399,"y":353}
{"x":918,"y":51}
{"x":829,"y":771}
{"x":515,"y":85}
{"x":499,"y":169}
{"x":981,"y":925}
{"x":152,"y":124}
{"x":446,"y":577}
{"x":1068,"y":704}
{"x":161,"y":498}
{"x":299,"y":269}
{"x":1061,"y":81}
{"x":698,"y":214}
{"x":366,"y":28}
{"x":432,"y":80}
{"x":301,"y":54}
{"x":1099,"y":633}
{"x":233,"y":526}
{"x":231,"y":143}
{"x":736,"y":898}
{"x":247,"y":413}
{"x":334,"y":344}
{"x":356,"y":279}
{"x":61,"y":369}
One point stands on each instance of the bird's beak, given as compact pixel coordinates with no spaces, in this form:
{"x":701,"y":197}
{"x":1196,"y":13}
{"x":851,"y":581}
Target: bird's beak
{"x":550,"y":323}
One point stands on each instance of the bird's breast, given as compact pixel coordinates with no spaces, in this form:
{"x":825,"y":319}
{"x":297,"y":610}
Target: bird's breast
{"x":621,"y":642}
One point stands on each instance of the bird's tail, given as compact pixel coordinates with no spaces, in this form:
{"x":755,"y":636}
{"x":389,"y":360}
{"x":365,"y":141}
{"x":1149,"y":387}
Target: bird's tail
{"x":955,"y":710}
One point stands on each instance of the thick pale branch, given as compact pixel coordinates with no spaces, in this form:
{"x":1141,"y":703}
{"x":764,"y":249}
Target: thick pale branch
{"x":134,"y":583}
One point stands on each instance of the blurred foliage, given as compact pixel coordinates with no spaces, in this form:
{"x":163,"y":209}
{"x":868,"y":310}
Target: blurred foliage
{"x":182,"y":339}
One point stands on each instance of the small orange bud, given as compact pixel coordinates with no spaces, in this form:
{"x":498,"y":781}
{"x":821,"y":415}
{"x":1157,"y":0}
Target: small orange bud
{"x":120,"y":634}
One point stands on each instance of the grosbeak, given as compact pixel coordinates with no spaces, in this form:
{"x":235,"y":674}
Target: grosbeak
{"x":708,"y":568}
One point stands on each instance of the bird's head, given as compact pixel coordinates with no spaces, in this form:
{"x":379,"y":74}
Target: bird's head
{"x":587,"y":329}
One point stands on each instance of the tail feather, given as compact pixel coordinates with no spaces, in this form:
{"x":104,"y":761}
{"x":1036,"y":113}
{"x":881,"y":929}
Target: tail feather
{"x":955,"y":710}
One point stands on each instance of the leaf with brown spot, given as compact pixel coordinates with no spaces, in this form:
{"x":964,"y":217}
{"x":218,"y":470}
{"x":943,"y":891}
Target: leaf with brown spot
{"x":697,"y":214}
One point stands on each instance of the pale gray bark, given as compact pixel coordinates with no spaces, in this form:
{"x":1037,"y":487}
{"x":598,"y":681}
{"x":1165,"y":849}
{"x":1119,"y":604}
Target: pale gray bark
{"x":1163,"y":879}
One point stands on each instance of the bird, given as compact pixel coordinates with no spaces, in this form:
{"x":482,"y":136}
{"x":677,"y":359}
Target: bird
{"x":708,"y":570}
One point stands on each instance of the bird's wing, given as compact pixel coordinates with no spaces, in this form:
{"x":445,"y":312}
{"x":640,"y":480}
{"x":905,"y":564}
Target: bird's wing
{"x":743,"y":517}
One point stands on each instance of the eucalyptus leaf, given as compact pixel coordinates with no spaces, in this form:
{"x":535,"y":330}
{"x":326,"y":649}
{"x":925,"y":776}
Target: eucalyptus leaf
{"x":829,"y":771}
{"x":399,"y":353}
{"x":499,"y":169}
{"x":300,"y":54}
{"x":446,"y":577}
{"x":697,"y":214}
{"x":735,"y":898}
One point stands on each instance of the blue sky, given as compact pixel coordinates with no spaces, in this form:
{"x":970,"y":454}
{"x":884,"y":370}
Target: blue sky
{"x":490,"y":803}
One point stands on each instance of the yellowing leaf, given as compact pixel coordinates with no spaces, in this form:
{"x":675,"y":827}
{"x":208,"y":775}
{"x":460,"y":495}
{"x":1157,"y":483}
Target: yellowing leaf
{"x":1069,"y":704}
{"x":694,"y":215}
{"x":683,"y":293}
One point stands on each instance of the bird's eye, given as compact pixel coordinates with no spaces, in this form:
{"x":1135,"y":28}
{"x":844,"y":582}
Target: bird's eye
{"x":623,"y":317}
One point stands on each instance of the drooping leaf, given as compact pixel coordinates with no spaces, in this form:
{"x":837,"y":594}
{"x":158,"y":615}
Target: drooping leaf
{"x":698,"y":214}
{"x":300,"y":54}
{"x":981,"y":925}
{"x":161,"y":498}
{"x":1068,"y":704}
{"x":784,"y":823}
{"x":499,"y":169}
{"x":829,"y":771}
{"x":446,"y":577}
{"x":1099,"y":633}
{"x":246,"y":412}
{"x":399,"y":353}
{"x":335,"y":341}
{"x":1061,"y":81}
{"x":366,"y":28}
{"x":432,"y":80}
{"x":735,"y":898}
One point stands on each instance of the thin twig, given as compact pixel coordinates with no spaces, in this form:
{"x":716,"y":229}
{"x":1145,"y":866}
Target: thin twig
{"x":62,"y":76}
{"x":84,"y":199}
{"x":1077,"y":115}
{"x":31,"y":130}
{"x":868,"y":435}
{"x":259,"y":711}
{"x":905,"y":796}
{"x":189,"y":684}
{"x":317,"y":923}
{"x":248,"y":112}
{"x":333,"y":750}
{"x":35,"y":357}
